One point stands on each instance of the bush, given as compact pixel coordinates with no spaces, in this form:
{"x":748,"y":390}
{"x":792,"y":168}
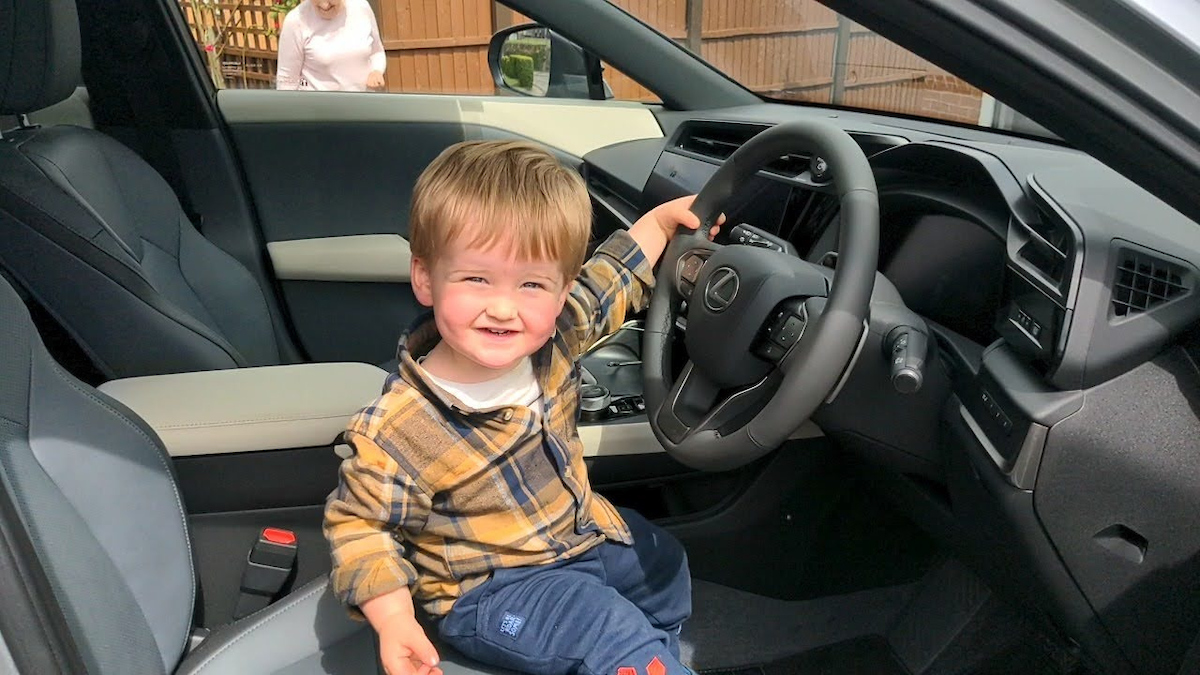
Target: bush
{"x":522,"y":67}
{"x":536,"y":48}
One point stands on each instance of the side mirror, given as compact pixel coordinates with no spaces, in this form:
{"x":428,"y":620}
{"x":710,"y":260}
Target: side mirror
{"x":532,"y":60}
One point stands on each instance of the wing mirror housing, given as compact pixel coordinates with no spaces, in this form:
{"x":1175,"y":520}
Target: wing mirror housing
{"x":532,"y":60}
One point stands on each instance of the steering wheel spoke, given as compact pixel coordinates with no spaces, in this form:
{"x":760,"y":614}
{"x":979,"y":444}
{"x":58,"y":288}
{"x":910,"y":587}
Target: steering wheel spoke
{"x":695,"y":403}
{"x":691,"y":396}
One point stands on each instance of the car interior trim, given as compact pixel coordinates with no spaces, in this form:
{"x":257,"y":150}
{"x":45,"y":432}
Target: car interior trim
{"x":250,"y":409}
{"x":363,"y":257}
{"x":611,"y":440}
{"x":556,"y":123}
{"x":982,"y":437}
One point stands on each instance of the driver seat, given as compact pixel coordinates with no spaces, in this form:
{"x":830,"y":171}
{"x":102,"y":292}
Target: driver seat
{"x":94,"y":489}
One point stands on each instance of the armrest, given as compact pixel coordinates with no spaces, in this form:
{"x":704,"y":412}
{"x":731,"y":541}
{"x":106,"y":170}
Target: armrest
{"x":248,"y":409}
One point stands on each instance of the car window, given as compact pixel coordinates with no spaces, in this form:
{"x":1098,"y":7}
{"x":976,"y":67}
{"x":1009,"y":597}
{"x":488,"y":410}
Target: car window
{"x":801,"y":51}
{"x":422,"y":47}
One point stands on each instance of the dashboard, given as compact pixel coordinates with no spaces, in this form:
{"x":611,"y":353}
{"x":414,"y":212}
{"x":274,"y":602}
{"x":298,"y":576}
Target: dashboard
{"x":967,"y":243}
{"x":1054,"y":444}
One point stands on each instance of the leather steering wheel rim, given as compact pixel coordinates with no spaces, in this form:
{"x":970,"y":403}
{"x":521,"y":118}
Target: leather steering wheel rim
{"x":817,"y":363}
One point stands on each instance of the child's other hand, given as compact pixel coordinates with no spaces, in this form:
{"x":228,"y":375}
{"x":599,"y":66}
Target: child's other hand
{"x":654,"y":230}
{"x":404,"y":649}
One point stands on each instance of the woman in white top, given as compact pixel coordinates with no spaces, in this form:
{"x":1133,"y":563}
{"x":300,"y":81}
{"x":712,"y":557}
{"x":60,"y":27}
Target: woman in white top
{"x":330,"y":45}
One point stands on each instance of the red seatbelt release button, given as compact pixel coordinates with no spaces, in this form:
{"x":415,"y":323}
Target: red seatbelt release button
{"x":275,"y":535}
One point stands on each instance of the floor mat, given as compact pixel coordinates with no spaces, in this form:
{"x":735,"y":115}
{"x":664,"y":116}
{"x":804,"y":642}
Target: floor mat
{"x":843,"y":540}
{"x":1001,"y":640}
{"x":730,"y":628}
{"x":869,"y":654}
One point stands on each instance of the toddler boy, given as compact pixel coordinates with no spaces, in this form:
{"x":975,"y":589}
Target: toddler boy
{"x":467,"y":490}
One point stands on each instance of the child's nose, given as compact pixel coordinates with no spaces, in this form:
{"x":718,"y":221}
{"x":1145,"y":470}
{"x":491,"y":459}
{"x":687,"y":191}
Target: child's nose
{"x":502,"y":308}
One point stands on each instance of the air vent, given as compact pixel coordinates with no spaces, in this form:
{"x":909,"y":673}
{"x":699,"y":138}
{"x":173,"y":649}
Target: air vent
{"x":1144,"y":282}
{"x":719,"y":141}
{"x":1048,"y":247}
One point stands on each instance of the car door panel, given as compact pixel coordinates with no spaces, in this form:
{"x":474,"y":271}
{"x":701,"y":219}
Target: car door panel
{"x":365,"y":257}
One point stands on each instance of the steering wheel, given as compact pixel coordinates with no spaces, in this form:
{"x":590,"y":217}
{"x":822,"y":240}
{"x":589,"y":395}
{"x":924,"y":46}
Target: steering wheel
{"x":769,"y":336}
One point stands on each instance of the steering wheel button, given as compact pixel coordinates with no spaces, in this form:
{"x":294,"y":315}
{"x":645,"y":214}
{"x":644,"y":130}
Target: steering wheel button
{"x":790,"y":332}
{"x":771,"y":351}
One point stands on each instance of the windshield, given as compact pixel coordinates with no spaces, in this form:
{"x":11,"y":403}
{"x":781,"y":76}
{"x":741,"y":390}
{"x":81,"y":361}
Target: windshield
{"x":800,"y":51}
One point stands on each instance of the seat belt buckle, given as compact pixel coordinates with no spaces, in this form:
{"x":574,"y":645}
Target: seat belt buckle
{"x":270,"y":564}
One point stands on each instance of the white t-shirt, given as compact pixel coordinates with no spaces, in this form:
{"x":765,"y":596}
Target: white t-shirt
{"x":329,"y":54}
{"x":518,"y":386}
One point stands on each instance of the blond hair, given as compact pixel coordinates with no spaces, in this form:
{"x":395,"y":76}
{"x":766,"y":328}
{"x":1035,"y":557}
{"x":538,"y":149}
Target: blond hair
{"x":485,"y":193}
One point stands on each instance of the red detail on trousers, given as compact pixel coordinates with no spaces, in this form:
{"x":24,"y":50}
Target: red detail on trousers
{"x":655,"y":667}
{"x":626,"y":670}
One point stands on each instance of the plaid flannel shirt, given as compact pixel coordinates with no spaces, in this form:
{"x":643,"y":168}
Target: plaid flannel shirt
{"x":437,"y":495}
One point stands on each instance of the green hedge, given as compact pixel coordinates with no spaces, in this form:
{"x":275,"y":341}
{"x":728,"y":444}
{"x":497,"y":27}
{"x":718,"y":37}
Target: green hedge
{"x":518,"y":69}
{"x":537,"y":49}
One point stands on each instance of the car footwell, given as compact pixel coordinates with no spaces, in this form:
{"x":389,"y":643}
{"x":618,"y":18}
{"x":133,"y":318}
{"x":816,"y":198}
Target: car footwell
{"x":946,"y":623}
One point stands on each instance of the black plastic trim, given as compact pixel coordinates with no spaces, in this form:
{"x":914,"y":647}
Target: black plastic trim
{"x":250,"y":481}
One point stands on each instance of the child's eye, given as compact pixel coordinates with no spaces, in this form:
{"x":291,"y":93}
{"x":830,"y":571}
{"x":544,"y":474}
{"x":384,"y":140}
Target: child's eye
{"x":534,"y":284}
{"x":475,"y":280}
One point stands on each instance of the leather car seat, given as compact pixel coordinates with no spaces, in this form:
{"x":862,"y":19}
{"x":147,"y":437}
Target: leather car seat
{"x":98,"y":238}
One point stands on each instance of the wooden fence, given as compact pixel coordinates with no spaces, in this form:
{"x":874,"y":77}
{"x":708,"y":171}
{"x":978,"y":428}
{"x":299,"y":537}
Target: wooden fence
{"x":795,"y":50}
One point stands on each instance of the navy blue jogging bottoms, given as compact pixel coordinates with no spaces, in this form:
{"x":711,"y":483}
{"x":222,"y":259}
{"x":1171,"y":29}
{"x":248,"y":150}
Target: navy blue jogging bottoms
{"x":614,"y":610}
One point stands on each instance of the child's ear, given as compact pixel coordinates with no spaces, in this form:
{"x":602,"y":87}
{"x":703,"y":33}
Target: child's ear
{"x":422,"y":284}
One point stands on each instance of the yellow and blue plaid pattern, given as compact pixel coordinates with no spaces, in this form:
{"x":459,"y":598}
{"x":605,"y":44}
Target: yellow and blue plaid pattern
{"x":437,"y":495}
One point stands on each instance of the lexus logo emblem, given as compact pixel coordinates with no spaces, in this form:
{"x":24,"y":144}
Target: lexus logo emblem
{"x":721,"y":289}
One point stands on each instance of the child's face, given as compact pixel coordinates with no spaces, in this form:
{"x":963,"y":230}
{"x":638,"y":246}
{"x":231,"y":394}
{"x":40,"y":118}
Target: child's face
{"x":491,"y":309}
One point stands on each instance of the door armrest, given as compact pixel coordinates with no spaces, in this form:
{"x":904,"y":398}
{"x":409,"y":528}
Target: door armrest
{"x":250,"y":409}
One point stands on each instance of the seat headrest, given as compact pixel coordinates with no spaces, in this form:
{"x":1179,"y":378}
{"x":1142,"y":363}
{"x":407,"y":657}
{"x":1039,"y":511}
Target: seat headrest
{"x":39,"y":54}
